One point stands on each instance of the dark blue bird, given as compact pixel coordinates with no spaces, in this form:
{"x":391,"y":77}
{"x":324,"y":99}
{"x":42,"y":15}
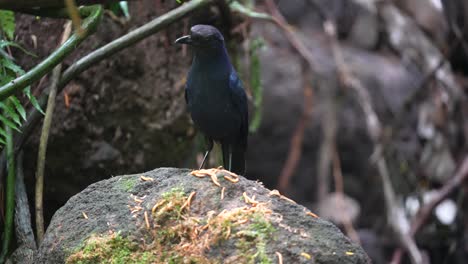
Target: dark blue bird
{"x":215,"y":96}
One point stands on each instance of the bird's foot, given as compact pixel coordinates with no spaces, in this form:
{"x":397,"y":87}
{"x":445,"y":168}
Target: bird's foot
{"x":214,"y":173}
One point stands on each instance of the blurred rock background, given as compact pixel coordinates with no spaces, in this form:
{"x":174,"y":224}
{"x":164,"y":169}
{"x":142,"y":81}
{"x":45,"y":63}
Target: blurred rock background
{"x":314,"y":143}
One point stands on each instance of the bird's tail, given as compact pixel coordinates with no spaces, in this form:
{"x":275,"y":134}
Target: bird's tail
{"x":237,"y":158}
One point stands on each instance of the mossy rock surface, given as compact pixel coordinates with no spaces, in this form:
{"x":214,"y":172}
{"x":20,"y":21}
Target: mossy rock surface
{"x":169,"y":216}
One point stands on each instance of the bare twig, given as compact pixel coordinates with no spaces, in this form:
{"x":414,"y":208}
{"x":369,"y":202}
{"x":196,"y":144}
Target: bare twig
{"x":427,"y":55}
{"x":329,"y":129}
{"x":23,"y":227}
{"x":100,"y":54}
{"x":9,"y":195}
{"x":74,"y":15}
{"x":295,"y":148}
{"x":396,"y":218}
{"x":419,"y":90}
{"x":453,"y":10}
{"x":425,"y":211}
{"x":43,"y":141}
{"x":296,"y":142}
{"x":291,"y":35}
{"x":16,"y":5}
{"x":338,"y":177}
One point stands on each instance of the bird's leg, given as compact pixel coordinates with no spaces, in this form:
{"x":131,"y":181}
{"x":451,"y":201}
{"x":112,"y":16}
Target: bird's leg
{"x":230,"y":158}
{"x":204,"y":159}
{"x":209,"y":148}
{"x":215,"y":173}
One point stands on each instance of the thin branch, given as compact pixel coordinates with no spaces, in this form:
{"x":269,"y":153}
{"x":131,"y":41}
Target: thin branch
{"x":41,"y":156}
{"x":453,"y":10}
{"x":93,"y":14}
{"x":279,"y":20}
{"x":10,"y":195}
{"x":295,"y":41}
{"x":295,"y":148}
{"x":396,"y":218}
{"x":299,"y":46}
{"x":423,"y":214}
{"x":130,"y":39}
{"x":102,"y":53}
{"x":419,"y":91}
{"x":23,"y":227}
{"x":329,"y":130}
{"x":74,"y":14}
{"x":339,"y":189}
{"x":296,"y":141}
{"x":16,"y":5}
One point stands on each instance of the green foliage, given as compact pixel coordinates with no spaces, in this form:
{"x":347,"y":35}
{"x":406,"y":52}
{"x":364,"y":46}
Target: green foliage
{"x":5,"y":43}
{"x":12,"y":111}
{"x":7,"y":23}
{"x":33,"y":100}
{"x":253,"y":240}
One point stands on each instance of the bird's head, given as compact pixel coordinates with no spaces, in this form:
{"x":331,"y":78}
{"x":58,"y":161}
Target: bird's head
{"x":203,"y":37}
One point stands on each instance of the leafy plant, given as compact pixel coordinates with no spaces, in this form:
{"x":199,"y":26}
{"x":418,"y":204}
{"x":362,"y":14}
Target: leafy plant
{"x":13,"y":112}
{"x":7,"y":23}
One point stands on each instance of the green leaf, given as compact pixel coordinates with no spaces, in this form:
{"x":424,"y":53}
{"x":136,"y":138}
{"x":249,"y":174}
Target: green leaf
{"x":18,"y":106}
{"x":32,"y":99}
{"x":5,"y":77}
{"x":11,"y":112}
{"x":2,"y":142}
{"x":36,"y":104}
{"x":27,"y":91}
{"x":7,"y":23}
{"x":12,"y":66}
{"x":6,"y":43}
{"x":114,"y":8}
{"x":3,"y":132}
{"x":9,"y":123}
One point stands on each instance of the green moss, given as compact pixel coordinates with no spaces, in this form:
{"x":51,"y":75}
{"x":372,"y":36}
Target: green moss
{"x":127,"y":184}
{"x":176,"y":235}
{"x":112,"y":249}
{"x":175,"y":193}
{"x":253,"y":239}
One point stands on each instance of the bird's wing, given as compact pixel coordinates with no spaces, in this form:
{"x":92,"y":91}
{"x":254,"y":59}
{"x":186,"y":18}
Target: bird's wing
{"x":186,"y":86}
{"x":239,"y":100}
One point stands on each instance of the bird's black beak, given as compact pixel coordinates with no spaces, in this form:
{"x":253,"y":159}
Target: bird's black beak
{"x":184,"y":40}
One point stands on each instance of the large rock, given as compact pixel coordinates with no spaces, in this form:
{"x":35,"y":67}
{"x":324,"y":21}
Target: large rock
{"x":146,"y":218}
